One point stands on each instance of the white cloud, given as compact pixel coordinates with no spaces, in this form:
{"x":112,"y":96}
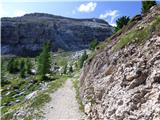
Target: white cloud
{"x":20,"y":13}
{"x":110,"y":16}
{"x":88,"y":7}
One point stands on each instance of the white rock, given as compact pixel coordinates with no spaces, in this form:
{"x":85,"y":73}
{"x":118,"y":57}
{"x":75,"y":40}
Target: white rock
{"x":87,"y":108}
{"x":31,"y":95}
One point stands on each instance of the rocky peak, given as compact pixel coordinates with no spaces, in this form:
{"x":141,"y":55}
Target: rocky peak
{"x":25,"y":35}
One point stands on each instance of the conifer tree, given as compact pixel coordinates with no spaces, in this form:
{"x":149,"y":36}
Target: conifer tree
{"x":13,"y":66}
{"x":93,"y":44}
{"x":28,"y":66}
{"x":22,"y":68}
{"x":22,"y":72}
{"x":70,"y":69}
{"x":147,"y":4}
{"x":44,"y":61}
{"x":65,"y":69}
{"x":122,"y":21}
{"x":83,"y":58}
{"x":10,"y":66}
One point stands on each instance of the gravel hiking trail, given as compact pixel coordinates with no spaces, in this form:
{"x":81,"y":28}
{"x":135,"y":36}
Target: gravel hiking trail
{"x":63,"y":105}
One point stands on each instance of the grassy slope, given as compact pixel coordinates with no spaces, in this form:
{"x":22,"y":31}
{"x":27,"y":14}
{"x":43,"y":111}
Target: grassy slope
{"x":36,"y":103}
{"x":139,"y":35}
{"x":16,"y":84}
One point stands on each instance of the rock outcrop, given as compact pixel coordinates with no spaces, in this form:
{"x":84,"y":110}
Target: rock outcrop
{"x":124,"y":84}
{"x":25,"y":35}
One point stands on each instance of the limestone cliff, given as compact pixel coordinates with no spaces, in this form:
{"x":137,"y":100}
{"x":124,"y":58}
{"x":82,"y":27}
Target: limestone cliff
{"x":25,"y":35}
{"x":122,"y":81}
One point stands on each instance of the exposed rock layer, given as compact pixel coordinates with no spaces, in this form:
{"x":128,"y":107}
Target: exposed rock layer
{"x":25,"y":35}
{"x":124,"y":85}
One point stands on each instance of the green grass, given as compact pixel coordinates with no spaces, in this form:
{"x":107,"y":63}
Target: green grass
{"x":14,"y":84}
{"x":54,"y":85}
{"x":76,"y":86}
{"x":61,"y":60}
{"x":40,"y":100}
{"x":35,"y":103}
{"x":138,"y":35}
{"x":44,"y":97}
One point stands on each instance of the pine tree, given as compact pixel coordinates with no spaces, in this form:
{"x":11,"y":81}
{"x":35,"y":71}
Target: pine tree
{"x":44,"y":61}
{"x":65,"y":69}
{"x":122,"y":21}
{"x":10,"y":67}
{"x":22,"y":72}
{"x":93,"y":44}
{"x":13,"y":66}
{"x":22,"y":64}
{"x":28,"y":66}
{"x":83,"y":58}
{"x":146,"y":5}
{"x":22,"y":68}
{"x":70,"y":69}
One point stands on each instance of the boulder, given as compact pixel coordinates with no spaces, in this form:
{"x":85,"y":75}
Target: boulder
{"x":31,"y":95}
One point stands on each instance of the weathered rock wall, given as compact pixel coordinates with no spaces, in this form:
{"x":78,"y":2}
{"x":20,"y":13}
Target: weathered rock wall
{"x":124,"y":85}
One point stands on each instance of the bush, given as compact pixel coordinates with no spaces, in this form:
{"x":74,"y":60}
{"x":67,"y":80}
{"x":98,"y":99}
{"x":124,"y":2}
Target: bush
{"x":146,"y":5}
{"x":93,"y":44}
{"x":122,"y":21}
{"x":44,"y":61}
{"x":82,"y":59}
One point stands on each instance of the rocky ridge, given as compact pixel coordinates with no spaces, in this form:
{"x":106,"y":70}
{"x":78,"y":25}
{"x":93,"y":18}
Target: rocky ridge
{"x":25,"y":35}
{"x":124,"y":84}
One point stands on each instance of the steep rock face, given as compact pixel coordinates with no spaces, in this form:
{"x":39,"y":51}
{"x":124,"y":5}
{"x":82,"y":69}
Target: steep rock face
{"x":124,"y":84}
{"x":26,"y":34}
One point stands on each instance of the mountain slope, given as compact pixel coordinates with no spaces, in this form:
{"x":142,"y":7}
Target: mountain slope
{"x":122,"y":81}
{"x":25,"y":35}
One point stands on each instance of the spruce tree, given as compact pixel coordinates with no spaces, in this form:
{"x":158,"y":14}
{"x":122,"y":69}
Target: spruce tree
{"x":93,"y":44}
{"x":22,"y":72}
{"x":146,"y":5}
{"x":28,"y":66}
{"x":65,"y":69}
{"x":22,"y":64}
{"x":122,"y":21}
{"x":22,"y":68}
{"x":13,"y":66}
{"x":70,"y":69}
{"x":83,"y":58}
{"x":10,"y":66}
{"x":44,"y":61}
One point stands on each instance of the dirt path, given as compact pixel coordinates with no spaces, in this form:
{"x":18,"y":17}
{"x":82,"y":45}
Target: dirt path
{"x":63,"y":105}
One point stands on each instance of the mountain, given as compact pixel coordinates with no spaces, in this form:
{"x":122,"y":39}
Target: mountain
{"x":25,"y":35}
{"x":121,"y":81}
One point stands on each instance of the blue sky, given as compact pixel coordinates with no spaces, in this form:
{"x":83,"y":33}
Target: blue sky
{"x":107,"y":10}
